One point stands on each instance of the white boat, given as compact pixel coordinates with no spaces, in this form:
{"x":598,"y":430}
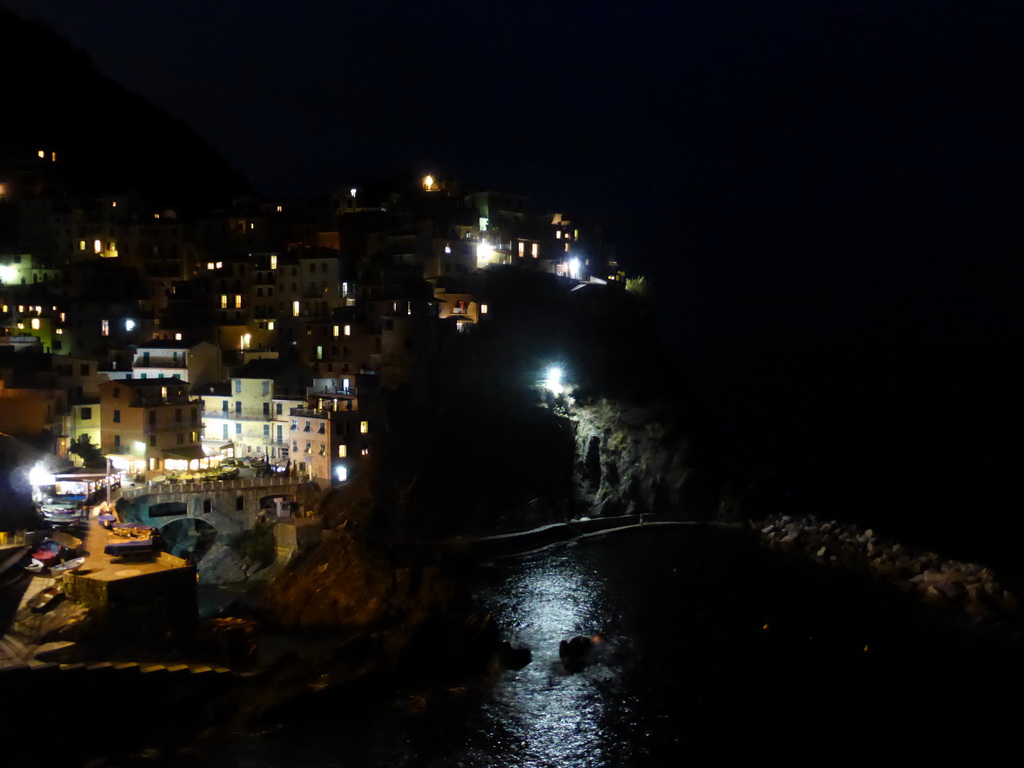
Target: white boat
{"x":68,"y":565}
{"x":36,"y":566}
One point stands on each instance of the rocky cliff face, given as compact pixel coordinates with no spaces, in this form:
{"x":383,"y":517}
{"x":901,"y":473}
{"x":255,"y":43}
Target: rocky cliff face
{"x":632,"y":459}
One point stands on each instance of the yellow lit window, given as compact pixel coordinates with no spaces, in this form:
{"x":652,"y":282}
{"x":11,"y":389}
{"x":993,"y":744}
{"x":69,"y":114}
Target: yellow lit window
{"x":113,"y":204}
{"x":522,"y":249}
{"x":533,"y":250}
{"x":280,"y":208}
{"x":364,"y":427}
{"x":42,"y":153}
{"x":295,"y":309}
{"x":273,"y":261}
{"x":223,"y":301}
{"x":97,"y":246}
{"x":238,"y":301}
{"x":177,"y":337}
{"x":270,"y":325}
{"x":59,"y":331}
{"x":337,"y":330}
{"x":209,"y":265}
{"x":163,"y":392}
{"x":35,"y":323}
{"x":81,"y":245}
{"x":342,"y":451}
{"x":566,"y":247}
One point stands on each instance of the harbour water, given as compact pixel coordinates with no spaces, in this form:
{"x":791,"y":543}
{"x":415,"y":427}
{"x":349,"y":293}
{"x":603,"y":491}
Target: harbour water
{"x":719,"y":650}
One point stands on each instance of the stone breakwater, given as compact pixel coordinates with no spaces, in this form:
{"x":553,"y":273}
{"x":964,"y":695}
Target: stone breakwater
{"x":967,"y":587}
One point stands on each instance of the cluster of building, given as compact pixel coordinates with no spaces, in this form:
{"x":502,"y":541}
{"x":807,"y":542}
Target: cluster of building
{"x":269,"y":330}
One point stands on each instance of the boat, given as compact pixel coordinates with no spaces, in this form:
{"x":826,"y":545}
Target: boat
{"x":132,"y":530}
{"x":36,"y":566}
{"x":43,"y":599}
{"x":66,"y":566}
{"x":131,"y":547}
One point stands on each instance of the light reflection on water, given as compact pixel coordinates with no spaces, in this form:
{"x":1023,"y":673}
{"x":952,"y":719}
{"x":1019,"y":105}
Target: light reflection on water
{"x":540,"y":715}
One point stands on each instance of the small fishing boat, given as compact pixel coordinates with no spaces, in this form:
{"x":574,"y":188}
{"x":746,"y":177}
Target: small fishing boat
{"x":66,"y":566}
{"x":43,"y":599}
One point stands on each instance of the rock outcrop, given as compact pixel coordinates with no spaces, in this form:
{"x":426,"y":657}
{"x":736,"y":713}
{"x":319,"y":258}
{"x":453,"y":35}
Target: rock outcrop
{"x":632,"y":460}
{"x":969,"y":588}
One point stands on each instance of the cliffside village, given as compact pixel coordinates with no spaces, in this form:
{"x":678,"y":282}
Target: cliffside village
{"x":266,"y":333}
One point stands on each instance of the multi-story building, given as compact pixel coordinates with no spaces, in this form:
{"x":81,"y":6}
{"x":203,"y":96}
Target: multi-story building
{"x":151,"y":424}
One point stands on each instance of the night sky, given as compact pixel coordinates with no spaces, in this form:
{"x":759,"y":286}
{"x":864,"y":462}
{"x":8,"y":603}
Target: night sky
{"x":827,"y":195}
{"x":806,"y":170}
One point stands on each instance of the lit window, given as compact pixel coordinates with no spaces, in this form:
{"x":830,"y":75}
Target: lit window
{"x":210,"y":265}
{"x":273,"y":261}
{"x":62,"y":316}
{"x":341,"y":473}
{"x":323,"y":449}
{"x":270,"y":325}
{"x":105,"y":327}
{"x":113,"y":204}
{"x":319,"y":352}
{"x":129,"y":324}
{"x":35,"y":323}
{"x":365,"y":452}
{"x":97,"y":246}
{"x":223,"y":301}
{"x":251,"y":225}
{"x":558,"y":234}
{"x":566,"y":247}
{"x":309,"y":448}
{"x":238,"y":301}
{"x":533,"y":250}
{"x":163,"y":392}
{"x":177,"y":337}
{"x":483,"y":309}
{"x":348,"y":330}
{"x":280,"y":208}
{"x":447,"y":249}
{"x":42,"y":153}
{"x":522,"y":249}
{"x":342,"y":451}
{"x":220,"y":264}
{"x":81,"y":245}
{"x":337,"y":330}
{"x":364,"y":427}
{"x":295,"y":308}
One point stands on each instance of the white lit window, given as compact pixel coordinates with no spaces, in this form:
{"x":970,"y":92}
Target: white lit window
{"x":558,"y":234}
{"x":220,"y":264}
{"x":210,"y":265}
{"x":177,"y":337}
{"x":105,"y":327}
{"x":35,"y":323}
{"x":483,"y":309}
{"x":97,"y":246}
{"x":447,"y":249}
{"x":337,"y":330}
{"x":280,"y":208}
{"x":365,"y":452}
{"x":348,"y":330}
{"x":319,"y":352}
{"x":522,"y":249}
{"x":341,"y":472}
{"x":129,"y":324}
{"x":270,"y":325}
{"x":533,"y":250}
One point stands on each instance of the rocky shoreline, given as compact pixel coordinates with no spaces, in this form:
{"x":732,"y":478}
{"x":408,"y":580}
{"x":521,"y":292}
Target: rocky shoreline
{"x":970,"y":590}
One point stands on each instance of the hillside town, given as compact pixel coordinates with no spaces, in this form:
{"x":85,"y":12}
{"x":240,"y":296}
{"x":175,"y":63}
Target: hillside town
{"x":268,"y":333}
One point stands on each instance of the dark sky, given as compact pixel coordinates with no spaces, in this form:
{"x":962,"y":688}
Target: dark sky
{"x":788,"y":169}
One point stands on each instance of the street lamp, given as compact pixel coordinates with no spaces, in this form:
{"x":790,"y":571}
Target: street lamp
{"x":553,"y":380}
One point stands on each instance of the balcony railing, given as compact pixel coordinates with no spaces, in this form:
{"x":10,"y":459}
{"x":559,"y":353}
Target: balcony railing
{"x":244,"y":415}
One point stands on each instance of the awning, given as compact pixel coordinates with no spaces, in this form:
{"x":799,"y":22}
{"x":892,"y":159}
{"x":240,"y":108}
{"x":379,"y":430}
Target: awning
{"x":187,"y":452}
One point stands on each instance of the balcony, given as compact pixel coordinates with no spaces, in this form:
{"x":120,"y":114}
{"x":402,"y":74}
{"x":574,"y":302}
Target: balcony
{"x":244,"y":415}
{"x":175,"y":426}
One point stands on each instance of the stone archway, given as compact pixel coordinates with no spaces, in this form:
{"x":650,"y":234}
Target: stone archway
{"x":188,"y":538}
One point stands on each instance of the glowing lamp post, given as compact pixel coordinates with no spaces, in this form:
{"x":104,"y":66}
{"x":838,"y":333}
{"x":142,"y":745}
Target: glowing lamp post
{"x":553,"y":380}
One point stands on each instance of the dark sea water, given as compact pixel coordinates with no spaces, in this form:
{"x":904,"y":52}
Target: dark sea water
{"x":720,"y":651}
